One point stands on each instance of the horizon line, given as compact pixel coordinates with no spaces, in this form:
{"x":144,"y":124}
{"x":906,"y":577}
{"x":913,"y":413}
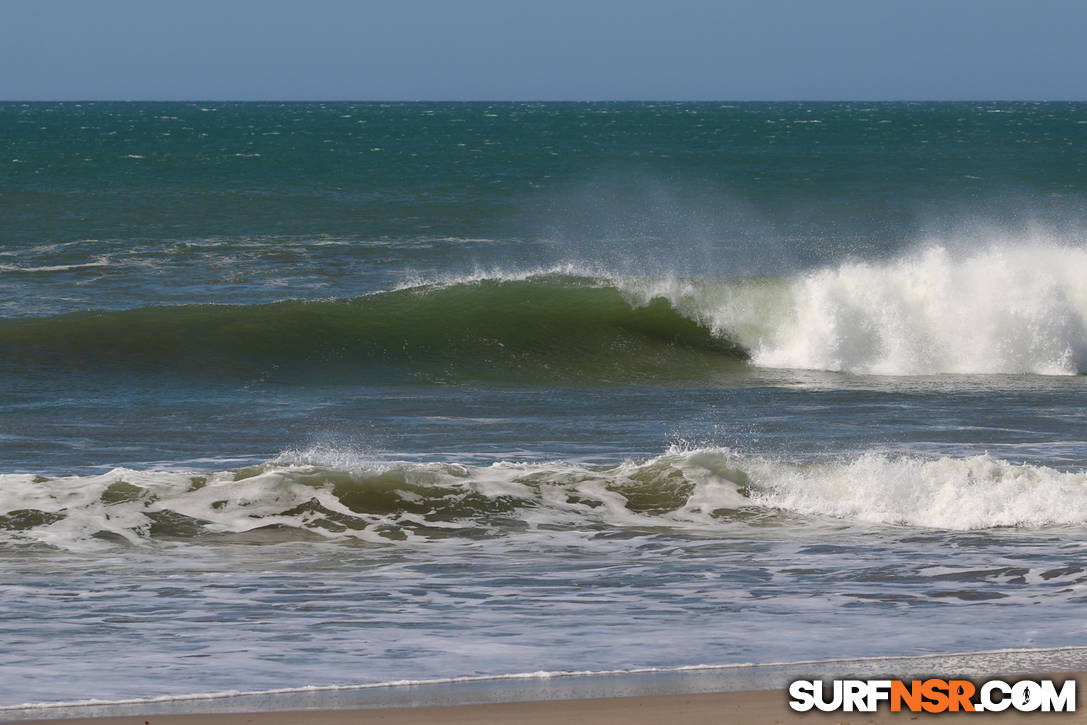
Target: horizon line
{"x":531,"y":100}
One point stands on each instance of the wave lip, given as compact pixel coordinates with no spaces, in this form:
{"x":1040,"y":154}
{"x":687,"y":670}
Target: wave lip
{"x":708,"y":490}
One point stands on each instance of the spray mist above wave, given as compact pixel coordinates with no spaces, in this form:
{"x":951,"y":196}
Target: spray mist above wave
{"x":702,"y":491}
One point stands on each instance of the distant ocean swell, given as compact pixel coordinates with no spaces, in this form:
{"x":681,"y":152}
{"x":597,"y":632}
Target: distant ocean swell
{"x":705,"y":489}
{"x":998,"y":309}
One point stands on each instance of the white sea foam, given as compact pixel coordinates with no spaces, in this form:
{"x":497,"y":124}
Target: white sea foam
{"x":1004,"y":308}
{"x":346,"y":496}
{"x":995,"y":310}
{"x":314,"y":689}
{"x":503,"y":274}
{"x":947,"y":493}
{"x":101,"y":262}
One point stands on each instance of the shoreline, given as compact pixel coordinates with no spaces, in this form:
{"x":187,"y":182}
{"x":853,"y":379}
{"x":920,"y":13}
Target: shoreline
{"x":617,"y":696}
{"x":745,"y":707}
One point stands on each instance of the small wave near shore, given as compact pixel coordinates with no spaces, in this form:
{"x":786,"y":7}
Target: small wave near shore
{"x":707,"y":490}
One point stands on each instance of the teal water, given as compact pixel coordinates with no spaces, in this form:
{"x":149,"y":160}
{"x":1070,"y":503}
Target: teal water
{"x":329,"y":394}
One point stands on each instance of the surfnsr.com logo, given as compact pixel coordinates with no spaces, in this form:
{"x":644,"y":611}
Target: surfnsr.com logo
{"x":933,"y":695}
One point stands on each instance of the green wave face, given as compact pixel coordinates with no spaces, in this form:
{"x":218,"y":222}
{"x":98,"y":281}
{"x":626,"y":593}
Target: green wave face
{"x":555,"y":327}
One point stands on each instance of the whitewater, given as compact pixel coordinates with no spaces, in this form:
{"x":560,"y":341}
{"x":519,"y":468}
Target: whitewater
{"x":408,"y":504}
{"x":999,"y":308}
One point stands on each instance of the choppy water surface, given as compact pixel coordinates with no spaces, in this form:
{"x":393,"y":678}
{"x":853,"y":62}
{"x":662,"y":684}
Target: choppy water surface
{"x":350,"y":393}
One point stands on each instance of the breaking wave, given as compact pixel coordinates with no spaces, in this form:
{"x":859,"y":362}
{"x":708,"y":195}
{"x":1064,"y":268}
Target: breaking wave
{"x":311,"y":494}
{"x":1009,"y":309}
{"x":1000,"y":309}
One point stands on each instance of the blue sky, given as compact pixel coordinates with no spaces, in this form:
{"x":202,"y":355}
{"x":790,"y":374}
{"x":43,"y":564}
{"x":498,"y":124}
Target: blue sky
{"x":555,"y":50}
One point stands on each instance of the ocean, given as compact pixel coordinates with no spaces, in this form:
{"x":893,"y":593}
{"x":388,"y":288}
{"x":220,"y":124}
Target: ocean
{"x":321,"y":395}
